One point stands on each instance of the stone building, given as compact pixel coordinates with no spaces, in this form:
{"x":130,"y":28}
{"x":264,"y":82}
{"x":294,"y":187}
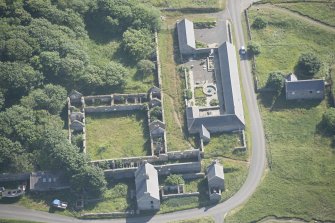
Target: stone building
{"x":147,"y":187}
{"x":215,"y":178}
{"x":186,"y":37}
{"x":304,"y":89}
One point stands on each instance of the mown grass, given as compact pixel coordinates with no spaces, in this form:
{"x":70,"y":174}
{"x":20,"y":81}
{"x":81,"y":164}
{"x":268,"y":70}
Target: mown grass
{"x":323,"y":12}
{"x":117,"y":135}
{"x":197,"y":220}
{"x":283,"y":1}
{"x":284,"y":32}
{"x":299,"y":182}
{"x":193,"y":4}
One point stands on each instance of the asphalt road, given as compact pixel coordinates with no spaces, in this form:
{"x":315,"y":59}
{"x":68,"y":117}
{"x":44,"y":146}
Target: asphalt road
{"x":257,"y":161}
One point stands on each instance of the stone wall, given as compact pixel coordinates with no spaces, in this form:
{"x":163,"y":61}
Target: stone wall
{"x":100,"y":109}
{"x":7,"y":177}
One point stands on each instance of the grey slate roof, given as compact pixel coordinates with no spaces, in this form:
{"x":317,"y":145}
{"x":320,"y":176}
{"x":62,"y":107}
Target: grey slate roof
{"x":204,"y":134}
{"x":46,"y":181}
{"x":305,"y":85}
{"x":186,"y":37}
{"x":230,"y":80}
{"x":146,"y":180}
{"x":215,"y":174}
{"x":233,"y":118}
{"x":211,"y":123}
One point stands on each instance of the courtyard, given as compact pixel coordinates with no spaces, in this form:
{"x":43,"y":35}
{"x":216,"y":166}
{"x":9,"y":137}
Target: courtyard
{"x":117,"y":135}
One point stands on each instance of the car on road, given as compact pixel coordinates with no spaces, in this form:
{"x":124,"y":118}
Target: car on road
{"x":243,"y":50}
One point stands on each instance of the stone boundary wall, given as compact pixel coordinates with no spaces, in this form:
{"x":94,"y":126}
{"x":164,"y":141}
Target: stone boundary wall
{"x":113,"y":108}
{"x":165,"y":197}
{"x":163,"y":170}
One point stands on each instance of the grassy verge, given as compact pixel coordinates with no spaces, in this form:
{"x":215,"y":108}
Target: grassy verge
{"x":116,"y":135}
{"x":191,"y":4}
{"x":283,"y":33}
{"x":197,"y":220}
{"x":323,"y":12}
{"x":302,"y":171}
{"x":5,"y":220}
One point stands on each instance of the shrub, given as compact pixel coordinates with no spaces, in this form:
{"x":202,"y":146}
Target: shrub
{"x":174,"y":180}
{"x":156,"y":113}
{"x":188,"y":94}
{"x":214,"y":102}
{"x":254,"y":48}
{"x":328,"y":120}
{"x":204,"y":24}
{"x":275,"y":81}
{"x":146,"y":67}
{"x":309,"y":64}
{"x":259,"y":23}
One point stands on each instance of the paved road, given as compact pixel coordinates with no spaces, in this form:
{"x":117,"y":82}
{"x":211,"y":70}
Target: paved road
{"x":257,"y":162}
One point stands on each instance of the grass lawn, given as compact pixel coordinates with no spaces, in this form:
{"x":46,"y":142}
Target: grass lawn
{"x":284,"y":32}
{"x":194,"y":4}
{"x":323,"y":12}
{"x":223,"y":145}
{"x":116,"y":198}
{"x":116,"y":135}
{"x":300,"y":180}
{"x":5,"y":220}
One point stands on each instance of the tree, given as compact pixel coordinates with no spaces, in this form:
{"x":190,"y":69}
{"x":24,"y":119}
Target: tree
{"x":138,"y":43}
{"x":17,"y":49}
{"x":259,"y":23}
{"x":114,"y":75}
{"x":254,"y":48}
{"x":174,"y":180}
{"x":18,"y":76}
{"x":156,"y":113}
{"x":308,"y":64}
{"x":275,"y":82}
{"x":89,"y":179}
{"x":188,"y":94}
{"x":328,"y":119}
{"x":146,"y":67}
{"x":51,"y":98}
{"x":50,"y":63}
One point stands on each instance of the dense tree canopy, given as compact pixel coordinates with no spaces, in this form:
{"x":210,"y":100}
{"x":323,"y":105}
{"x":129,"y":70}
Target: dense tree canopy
{"x":309,"y":64}
{"x":146,"y":67}
{"x":275,"y":82}
{"x":328,"y":120}
{"x":44,"y":53}
{"x":138,"y":43}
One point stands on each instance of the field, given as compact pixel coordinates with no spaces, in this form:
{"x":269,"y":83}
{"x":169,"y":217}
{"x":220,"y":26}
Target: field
{"x":323,"y":12}
{"x":284,"y":32}
{"x":196,"y":220}
{"x":117,"y":135}
{"x":299,"y":181}
{"x":188,"y":4}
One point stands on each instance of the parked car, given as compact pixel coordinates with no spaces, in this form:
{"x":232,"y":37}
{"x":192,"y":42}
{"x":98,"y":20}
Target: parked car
{"x":59,"y":204}
{"x":242,"y":50}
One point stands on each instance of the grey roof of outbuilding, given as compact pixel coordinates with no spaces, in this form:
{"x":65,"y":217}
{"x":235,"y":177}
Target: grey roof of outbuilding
{"x":210,"y":122}
{"x":305,"y":85}
{"x":156,"y":124}
{"x":205,"y":133}
{"x":186,"y":35}
{"x":215,"y":170}
{"x":230,"y":80}
{"x":146,"y":180}
{"x":42,"y":181}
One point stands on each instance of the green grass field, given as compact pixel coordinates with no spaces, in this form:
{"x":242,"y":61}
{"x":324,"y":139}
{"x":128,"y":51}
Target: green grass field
{"x":323,"y":12}
{"x":116,"y":135}
{"x":194,"y":4}
{"x":223,"y":145}
{"x":299,"y":182}
{"x":283,"y":33}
